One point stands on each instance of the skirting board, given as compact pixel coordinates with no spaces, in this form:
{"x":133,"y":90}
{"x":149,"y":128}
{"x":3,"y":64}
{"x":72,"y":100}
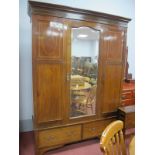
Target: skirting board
{"x":25,"y":125}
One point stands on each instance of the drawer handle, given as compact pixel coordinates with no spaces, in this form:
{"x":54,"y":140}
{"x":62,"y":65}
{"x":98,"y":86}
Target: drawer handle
{"x":71,"y":133}
{"x":51,"y":138}
{"x":92,"y":129}
{"x":123,"y":97}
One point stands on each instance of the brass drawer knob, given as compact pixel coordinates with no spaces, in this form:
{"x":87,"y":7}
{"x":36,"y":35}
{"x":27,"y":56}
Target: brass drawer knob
{"x":50,"y":138}
{"x":92,"y":129}
{"x":71,"y":133}
{"x":123,"y":97}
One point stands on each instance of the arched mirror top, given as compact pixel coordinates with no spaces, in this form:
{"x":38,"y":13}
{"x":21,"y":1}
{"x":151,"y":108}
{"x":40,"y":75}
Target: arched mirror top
{"x":85,"y":33}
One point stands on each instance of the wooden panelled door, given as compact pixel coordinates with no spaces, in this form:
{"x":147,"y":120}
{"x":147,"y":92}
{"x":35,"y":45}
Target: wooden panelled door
{"x":113,"y":60}
{"x":48,"y":68}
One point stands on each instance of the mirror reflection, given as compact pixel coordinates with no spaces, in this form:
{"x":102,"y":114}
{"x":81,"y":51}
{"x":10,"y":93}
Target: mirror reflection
{"x":84,"y":70}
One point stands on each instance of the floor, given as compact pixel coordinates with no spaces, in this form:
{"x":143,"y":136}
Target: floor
{"x":91,"y":147}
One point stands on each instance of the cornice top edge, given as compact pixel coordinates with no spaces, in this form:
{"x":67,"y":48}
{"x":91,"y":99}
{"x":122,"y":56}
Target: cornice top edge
{"x":49,"y":6}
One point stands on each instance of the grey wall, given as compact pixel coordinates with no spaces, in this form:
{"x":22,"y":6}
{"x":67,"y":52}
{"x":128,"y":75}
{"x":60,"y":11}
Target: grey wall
{"x":25,"y":68}
{"x":120,"y":7}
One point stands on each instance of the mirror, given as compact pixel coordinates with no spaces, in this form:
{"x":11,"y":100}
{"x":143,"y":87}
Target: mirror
{"x":84,"y":71}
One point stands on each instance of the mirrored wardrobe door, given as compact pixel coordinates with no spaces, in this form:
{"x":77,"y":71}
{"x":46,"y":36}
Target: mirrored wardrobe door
{"x":83,"y":71}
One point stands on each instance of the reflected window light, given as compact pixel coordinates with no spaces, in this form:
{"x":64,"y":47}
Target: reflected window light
{"x":65,"y":27}
{"x":51,"y":33}
{"x":122,"y":33}
{"x":57,"y":25}
{"x":102,"y":30}
{"x":110,"y":38}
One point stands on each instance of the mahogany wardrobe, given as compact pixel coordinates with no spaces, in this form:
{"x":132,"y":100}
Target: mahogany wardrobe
{"x":78,"y":59}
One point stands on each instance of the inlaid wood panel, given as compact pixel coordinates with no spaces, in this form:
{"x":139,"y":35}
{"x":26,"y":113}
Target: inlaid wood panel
{"x":49,"y":92}
{"x":112,"y":87}
{"x":59,"y":136}
{"x":94,"y":129}
{"x":49,"y":37}
{"x":113,"y":45}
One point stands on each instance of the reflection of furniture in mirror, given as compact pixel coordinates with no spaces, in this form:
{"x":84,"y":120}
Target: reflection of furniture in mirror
{"x":85,"y":101}
{"x":76,"y":54}
{"x":84,"y":51}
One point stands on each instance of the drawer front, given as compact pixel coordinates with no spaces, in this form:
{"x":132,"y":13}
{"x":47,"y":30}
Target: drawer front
{"x":128,"y":102}
{"x":59,"y":136}
{"x":95,"y":129}
{"x":127,"y":95}
{"x":130,"y":120}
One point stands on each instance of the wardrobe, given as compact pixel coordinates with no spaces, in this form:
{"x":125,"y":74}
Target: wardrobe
{"x":78,"y":59}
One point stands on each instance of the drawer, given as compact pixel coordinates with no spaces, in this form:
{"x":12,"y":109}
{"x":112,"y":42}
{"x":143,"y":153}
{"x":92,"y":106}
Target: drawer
{"x":128,"y":102}
{"x":127,"y":95}
{"x":59,"y":136}
{"x":130,"y":120}
{"x":95,"y":129}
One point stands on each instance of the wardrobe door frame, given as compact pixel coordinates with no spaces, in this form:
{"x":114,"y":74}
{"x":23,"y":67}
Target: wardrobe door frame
{"x":38,"y":60}
{"x":113,"y":62}
{"x":95,"y":26}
